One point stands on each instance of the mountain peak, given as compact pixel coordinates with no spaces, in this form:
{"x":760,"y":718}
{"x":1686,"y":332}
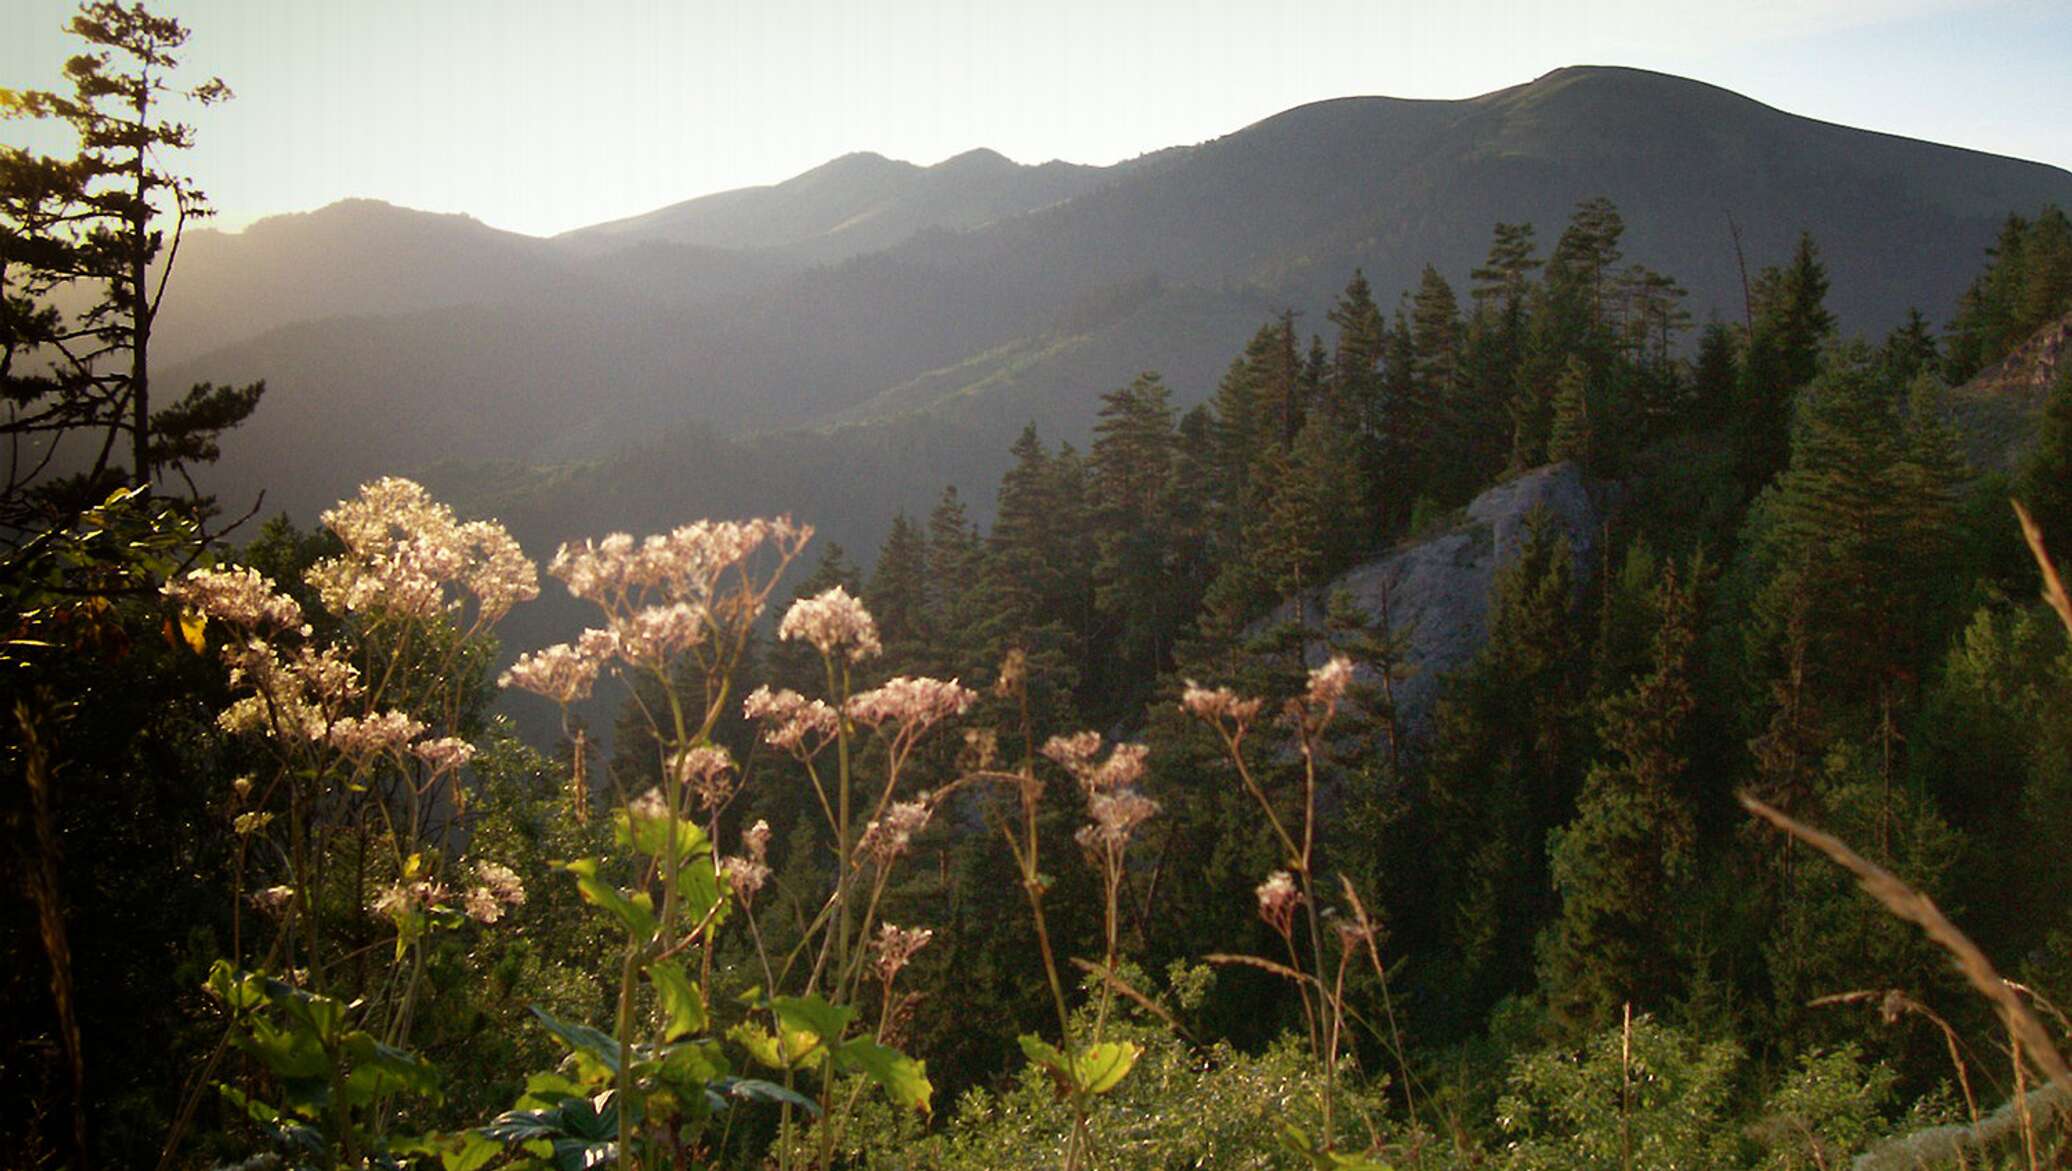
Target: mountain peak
{"x":978,"y":159}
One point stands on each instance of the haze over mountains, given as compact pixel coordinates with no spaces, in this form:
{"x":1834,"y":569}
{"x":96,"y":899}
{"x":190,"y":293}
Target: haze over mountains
{"x":843,"y":344}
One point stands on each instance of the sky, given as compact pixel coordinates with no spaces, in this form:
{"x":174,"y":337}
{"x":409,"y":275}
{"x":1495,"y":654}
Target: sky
{"x":540,"y":116}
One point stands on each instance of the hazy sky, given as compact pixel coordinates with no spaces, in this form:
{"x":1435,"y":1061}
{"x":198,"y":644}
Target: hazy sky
{"x":545,"y":115}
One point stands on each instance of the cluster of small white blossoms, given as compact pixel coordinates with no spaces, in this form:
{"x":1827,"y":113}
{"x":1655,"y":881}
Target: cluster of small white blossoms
{"x":915,"y":704}
{"x":792,"y":722}
{"x":499,"y":888}
{"x":294,"y":698}
{"x":402,"y":549}
{"x":1113,"y":803}
{"x":1278,"y":899}
{"x":563,"y":672}
{"x":362,"y":738}
{"x":273,"y":899}
{"x":444,"y":754}
{"x":707,"y":770}
{"x":834,"y":623}
{"x":1220,"y":706}
{"x":239,"y":596}
{"x":402,"y":898}
{"x":895,"y":946}
{"x":659,"y":597}
{"x":746,"y":873}
{"x":684,"y":565}
{"x":1316,"y":705}
{"x":887,"y":837}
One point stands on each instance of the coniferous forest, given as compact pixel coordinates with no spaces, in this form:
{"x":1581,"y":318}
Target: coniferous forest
{"x":1174,"y":817}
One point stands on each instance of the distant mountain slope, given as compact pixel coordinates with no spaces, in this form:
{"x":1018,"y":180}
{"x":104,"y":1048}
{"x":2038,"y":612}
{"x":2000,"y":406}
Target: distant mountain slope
{"x":441,"y":339}
{"x":858,"y":203}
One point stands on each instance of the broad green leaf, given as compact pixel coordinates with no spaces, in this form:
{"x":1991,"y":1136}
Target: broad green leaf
{"x":636,"y":911}
{"x":289,"y":1053}
{"x":379,"y":1068}
{"x":590,"y":1044}
{"x":1295,"y":1139}
{"x":650,"y":835}
{"x":679,"y":1000}
{"x":748,"y":1089}
{"x":548,"y":1087}
{"x":796,"y":1049}
{"x":813,"y":1014}
{"x":1095,"y":1069}
{"x":905,"y":1080}
{"x":1099,"y":1068}
{"x":697,"y":886}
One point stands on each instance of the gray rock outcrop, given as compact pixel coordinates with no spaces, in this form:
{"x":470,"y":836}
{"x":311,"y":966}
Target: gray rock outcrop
{"x":1434,"y":592}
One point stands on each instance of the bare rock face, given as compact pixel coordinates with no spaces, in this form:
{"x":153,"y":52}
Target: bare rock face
{"x":1435,"y":592}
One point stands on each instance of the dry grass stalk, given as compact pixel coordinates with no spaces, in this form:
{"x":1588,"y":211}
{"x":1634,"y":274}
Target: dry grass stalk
{"x":2053,"y":585}
{"x":1891,"y":1003}
{"x":1916,"y":908}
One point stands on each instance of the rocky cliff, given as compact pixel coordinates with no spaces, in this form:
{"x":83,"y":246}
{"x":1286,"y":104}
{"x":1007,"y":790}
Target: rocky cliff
{"x":1434,"y":592}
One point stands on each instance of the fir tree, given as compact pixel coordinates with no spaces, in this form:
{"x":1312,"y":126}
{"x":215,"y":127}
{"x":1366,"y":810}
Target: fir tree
{"x":2043,"y":482}
{"x":1618,"y":865}
{"x":1573,"y":436}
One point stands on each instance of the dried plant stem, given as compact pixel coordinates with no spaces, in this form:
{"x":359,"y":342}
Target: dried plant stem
{"x":1918,"y":909}
{"x":2053,"y":585}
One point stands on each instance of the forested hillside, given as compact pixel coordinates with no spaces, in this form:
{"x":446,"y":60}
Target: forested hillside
{"x":1511,"y":717}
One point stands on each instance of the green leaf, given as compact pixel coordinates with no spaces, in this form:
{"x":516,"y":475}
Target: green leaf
{"x":1099,"y":1068}
{"x":679,"y":1000}
{"x":650,"y":835}
{"x":1095,"y":1069}
{"x":749,"y":1089}
{"x":905,"y":1080}
{"x":636,"y":911}
{"x":598,"y":1047}
{"x":697,"y":887}
{"x":797,"y":1048}
{"x":813,"y":1014}
{"x":380,"y":1069}
{"x":1297,"y":1140}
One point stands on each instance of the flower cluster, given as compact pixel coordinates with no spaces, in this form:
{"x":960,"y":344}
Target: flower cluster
{"x":1314,"y":708}
{"x":363,"y":738}
{"x":887,"y":837}
{"x":895,"y":946}
{"x":499,"y":888}
{"x":563,"y":672}
{"x":834,"y":623}
{"x":1123,"y":768}
{"x":684,"y":565}
{"x":444,"y":754}
{"x":915,"y":704}
{"x":401,"y":899}
{"x":746,"y":873}
{"x":706,"y":770}
{"x":1219,"y":706}
{"x":294,"y":698}
{"x":273,"y":899}
{"x":238,"y":596}
{"x":1116,"y":815}
{"x":1278,"y":899}
{"x":790,"y":721}
{"x":402,"y":549}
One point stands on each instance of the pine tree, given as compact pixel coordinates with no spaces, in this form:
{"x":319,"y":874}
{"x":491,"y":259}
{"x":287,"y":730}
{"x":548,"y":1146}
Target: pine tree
{"x":1573,"y":436}
{"x":954,"y":604}
{"x":1130,"y":486}
{"x":1791,"y":326}
{"x":90,"y":224}
{"x":2043,"y":482}
{"x":1618,"y":865}
{"x":897,"y":595}
{"x":1503,"y":771}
